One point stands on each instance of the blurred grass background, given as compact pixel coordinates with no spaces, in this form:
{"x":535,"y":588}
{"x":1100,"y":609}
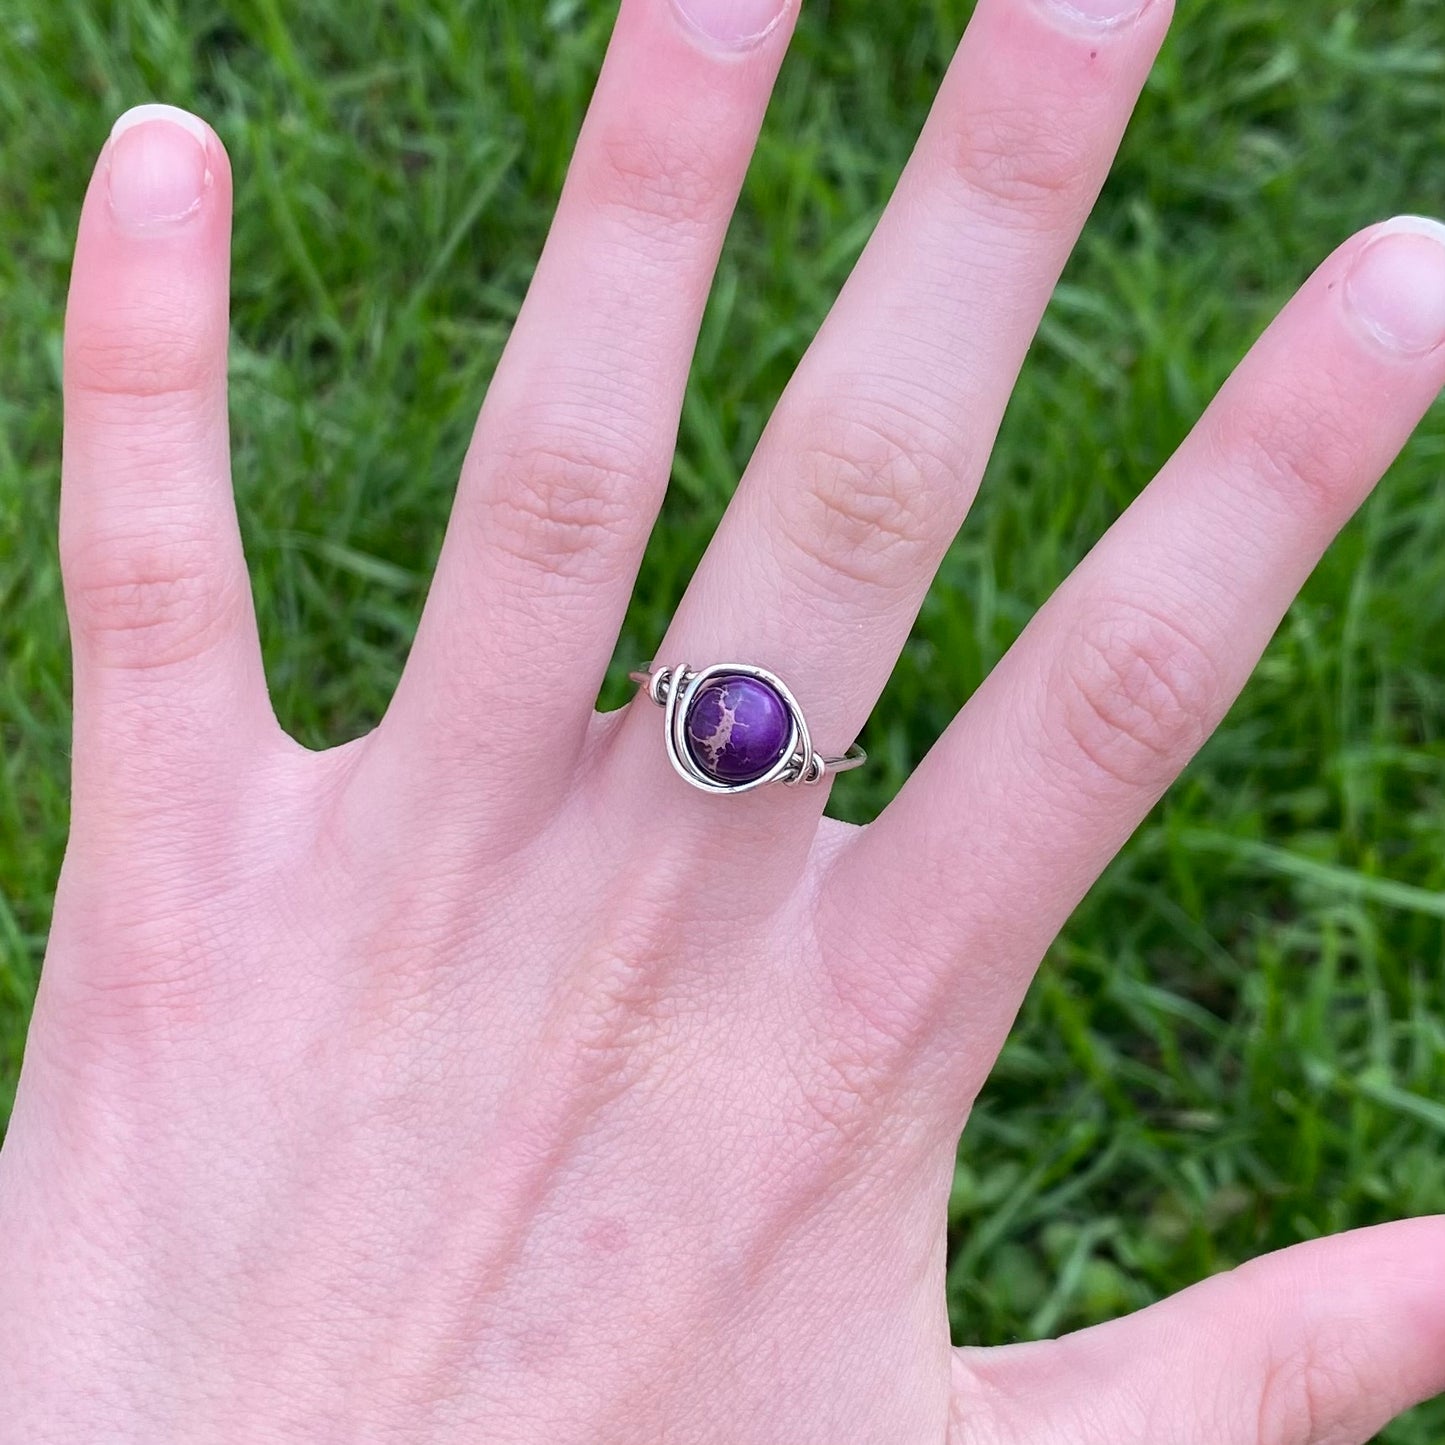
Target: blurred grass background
{"x":1239,"y":1041}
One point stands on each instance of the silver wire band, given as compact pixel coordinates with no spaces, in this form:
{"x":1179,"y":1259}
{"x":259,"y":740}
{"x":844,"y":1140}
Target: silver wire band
{"x":672,"y":688}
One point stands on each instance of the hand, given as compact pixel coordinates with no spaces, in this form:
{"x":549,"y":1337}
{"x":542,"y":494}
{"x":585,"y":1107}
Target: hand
{"x":480,"y":1080}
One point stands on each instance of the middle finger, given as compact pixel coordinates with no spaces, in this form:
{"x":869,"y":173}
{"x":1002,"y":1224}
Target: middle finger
{"x":874,"y":453}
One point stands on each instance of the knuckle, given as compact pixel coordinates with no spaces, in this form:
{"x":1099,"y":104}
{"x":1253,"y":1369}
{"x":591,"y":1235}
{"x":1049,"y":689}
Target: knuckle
{"x":876,"y":1011}
{"x":1313,"y":1391}
{"x":1137,"y":696}
{"x":144,"y":348}
{"x":871,"y":1007}
{"x":670,"y":177}
{"x":567,"y":504}
{"x":854,"y":1086}
{"x":619,"y":998}
{"x":1022,"y":158}
{"x":149,"y":600}
{"x":1299,"y":445}
{"x":838,"y":1102}
{"x":866,"y":508}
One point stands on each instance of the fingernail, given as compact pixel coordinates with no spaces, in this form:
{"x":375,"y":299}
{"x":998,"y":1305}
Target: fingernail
{"x":1396,"y":286}
{"x":157,"y":167}
{"x":1100,"y":14}
{"x":735,"y":24}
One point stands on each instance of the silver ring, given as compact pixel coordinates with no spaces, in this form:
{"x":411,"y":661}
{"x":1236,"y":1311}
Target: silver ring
{"x":733,"y":727}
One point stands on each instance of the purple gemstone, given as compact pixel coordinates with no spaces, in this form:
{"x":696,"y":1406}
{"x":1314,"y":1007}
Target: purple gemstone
{"x":738,"y":727}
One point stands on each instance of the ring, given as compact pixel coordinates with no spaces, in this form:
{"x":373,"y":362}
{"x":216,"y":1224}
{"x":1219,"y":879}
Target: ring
{"x":732,"y":727}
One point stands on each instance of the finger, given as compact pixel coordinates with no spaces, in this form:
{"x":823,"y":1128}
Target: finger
{"x":168,"y":678}
{"x":1132,"y":663}
{"x":574,"y":444}
{"x":876,"y":450}
{"x":1321,"y":1344}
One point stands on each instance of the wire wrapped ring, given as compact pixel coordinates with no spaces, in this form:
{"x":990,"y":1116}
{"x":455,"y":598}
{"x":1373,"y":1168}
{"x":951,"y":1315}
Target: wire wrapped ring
{"x":732,"y":727}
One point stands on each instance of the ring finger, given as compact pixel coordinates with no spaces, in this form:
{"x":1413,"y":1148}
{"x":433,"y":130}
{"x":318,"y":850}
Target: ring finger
{"x":574,"y":444}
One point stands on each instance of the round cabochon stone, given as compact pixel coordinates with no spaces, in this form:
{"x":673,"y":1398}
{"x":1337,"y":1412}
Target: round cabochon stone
{"x":737,"y":728}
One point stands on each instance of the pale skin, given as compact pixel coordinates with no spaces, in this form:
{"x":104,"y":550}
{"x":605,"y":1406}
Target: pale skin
{"x":431,"y":1088}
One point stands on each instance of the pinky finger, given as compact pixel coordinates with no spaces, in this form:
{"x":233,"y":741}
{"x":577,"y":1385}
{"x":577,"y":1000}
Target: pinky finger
{"x":168,"y":677}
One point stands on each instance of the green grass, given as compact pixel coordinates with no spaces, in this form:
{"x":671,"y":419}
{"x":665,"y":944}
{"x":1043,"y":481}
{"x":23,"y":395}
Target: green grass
{"x":1240,"y":1039}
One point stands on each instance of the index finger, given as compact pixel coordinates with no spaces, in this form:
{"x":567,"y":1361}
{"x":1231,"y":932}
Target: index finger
{"x":1133,"y":662}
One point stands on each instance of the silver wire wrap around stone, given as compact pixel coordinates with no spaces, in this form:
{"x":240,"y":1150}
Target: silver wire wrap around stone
{"x":731,"y":727}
